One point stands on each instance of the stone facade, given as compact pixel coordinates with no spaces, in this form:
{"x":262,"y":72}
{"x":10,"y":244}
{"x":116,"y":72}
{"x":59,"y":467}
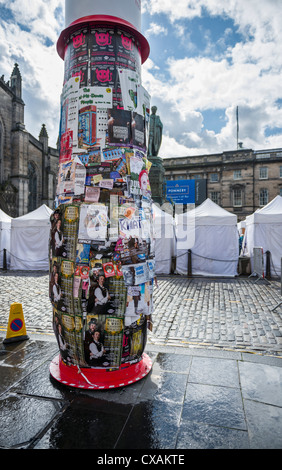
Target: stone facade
{"x":240,"y":181}
{"x":28,"y":166}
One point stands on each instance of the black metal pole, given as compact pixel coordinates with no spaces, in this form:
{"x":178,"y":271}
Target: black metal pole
{"x":5,"y":259}
{"x":189,"y":263}
{"x":267,"y":270}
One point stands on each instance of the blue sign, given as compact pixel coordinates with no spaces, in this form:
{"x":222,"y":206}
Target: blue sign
{"x":181,"y":191}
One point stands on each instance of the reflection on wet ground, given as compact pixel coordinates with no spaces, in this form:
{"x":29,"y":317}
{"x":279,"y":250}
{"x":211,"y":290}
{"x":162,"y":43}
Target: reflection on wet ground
{"x":192,"y":399}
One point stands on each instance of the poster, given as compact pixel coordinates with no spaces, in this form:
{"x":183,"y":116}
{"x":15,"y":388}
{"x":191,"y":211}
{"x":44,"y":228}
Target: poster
{"x":65,"y":303}
{"x":101,"y":97}
{"x":103,"y":341}
{"x":92,"y":194}
{"x":93,"y":222}
{"x":71,"y":178}
{"x":101,"y":271}
{"x":129,"y":82}
{"x":135,"y":274}
{"x":119,"y":127}
{"x":138,"y":130}
{"x":134,"y":341}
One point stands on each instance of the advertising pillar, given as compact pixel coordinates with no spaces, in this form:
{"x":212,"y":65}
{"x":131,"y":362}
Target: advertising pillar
{"x":102,"y":265}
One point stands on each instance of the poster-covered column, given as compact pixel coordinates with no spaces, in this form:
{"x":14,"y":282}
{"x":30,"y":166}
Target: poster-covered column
{"x":102,"y":242}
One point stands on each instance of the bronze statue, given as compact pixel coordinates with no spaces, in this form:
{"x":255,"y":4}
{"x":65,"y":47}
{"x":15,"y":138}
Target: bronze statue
{"x":155,"y":133}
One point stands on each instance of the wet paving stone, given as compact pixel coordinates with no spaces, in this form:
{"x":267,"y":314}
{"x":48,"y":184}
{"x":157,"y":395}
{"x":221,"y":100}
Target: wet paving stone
{"x":23,"y":418}
{"x":201,"y":436}
{"x":264,"y":425}
{"x":218,"y":406}
{"x":157,"y":427}
{"x":214,"y":371}
{"x":87,"y":424}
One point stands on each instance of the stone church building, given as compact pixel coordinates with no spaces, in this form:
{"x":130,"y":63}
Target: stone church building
{"x":28,"y":166}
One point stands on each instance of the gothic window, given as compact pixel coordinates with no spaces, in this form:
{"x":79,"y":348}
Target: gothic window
{"x":32,"y":187}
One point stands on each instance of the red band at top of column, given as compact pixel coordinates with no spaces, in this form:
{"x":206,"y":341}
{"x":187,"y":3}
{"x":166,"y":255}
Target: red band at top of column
{"x":103,"y":20}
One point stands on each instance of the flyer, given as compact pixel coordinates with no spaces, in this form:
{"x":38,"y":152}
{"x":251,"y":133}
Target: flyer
{"x":129,"y":81}
{"x":119,"y":127}
{"x":69,"y":114}
{"x":66,"y":143}
{"x":138,"y":130}
{"x":82,"y":253}
{"x":67,"y":275}
{"x":92,"y":194}
{"x":135,"y":274}
{"x":134,"y":341}
{"x":69,"y":228}
{"x":71,"y":177}
{"x":133,"y":250}
{"x":103,"y":341}
{"x":101,"y":97}
{"x":93,"y":222}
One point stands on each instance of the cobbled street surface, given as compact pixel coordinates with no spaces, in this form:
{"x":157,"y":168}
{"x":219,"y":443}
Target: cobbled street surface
{"x":235,"y":314}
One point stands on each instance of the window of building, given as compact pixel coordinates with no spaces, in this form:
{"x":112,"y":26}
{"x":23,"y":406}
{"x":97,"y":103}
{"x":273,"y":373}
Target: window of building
{"x":32,"y":187}
{"x":263,"y":197}
{"x":237,"y":197}
{"x":214,"y":177}
{"x":280,"y":192}
{"x":280,"y":174}
{"x":263,"y":173}
{"x":215,"y":197}
{"x":237,"y":174}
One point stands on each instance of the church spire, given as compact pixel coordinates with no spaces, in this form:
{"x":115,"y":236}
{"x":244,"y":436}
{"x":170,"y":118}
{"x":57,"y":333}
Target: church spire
{"x":16,"y":81}
{"x":43,"y":138}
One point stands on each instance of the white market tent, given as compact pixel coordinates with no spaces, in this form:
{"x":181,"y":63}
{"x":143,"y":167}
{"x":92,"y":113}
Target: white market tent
{"x":264,"y":229}
{"x":5,"y":234}
{"x":164,"y":231}
{"x":30,"y":240}
{"x":212,"y":235}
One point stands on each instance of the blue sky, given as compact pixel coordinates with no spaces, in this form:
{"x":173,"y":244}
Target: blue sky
{"x":207,"y":57}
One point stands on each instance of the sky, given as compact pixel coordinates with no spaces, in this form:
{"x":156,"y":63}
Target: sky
{"x":207,"y":57}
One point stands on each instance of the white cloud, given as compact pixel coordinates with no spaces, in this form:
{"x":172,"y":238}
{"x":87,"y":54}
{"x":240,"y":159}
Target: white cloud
{"x":24,"y":39}
{"x":247,"y":74}
{"x":175,"y":10}
{"x":155,"y":30}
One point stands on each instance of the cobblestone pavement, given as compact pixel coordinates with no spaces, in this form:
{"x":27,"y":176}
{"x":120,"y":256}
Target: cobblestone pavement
{"x":235,"y":314}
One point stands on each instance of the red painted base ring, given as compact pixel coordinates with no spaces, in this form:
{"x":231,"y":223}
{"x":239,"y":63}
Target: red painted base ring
{"x":99,"y":379}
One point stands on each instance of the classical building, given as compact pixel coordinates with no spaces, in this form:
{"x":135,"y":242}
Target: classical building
{"x":240,"y":181}
{"x":28,"y":166}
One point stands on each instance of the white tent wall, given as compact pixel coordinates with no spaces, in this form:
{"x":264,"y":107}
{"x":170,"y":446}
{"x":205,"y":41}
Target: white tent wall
{"x":264,"y":229}
{"x":5,"y":237}
{"x":30,"y":240}
{"x":164,"y":228}
{"x":212,"y":235}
